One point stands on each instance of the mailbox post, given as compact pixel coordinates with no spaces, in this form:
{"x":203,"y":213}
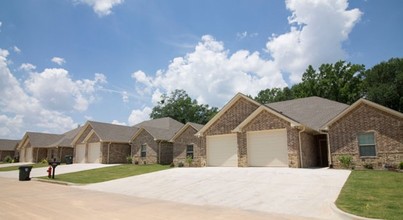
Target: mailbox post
{"x":54,"y":164}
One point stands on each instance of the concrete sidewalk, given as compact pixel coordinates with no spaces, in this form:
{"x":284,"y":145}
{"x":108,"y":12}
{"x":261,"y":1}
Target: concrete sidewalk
{"x":298,"y":192}
{"x":37,"y":200}
{"x":13,"y":164}
{"x":61,"y":169}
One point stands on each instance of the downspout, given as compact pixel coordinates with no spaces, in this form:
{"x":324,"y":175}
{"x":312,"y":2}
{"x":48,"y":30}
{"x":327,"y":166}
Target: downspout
{"x":328,"y":150}
{"x":109,"y":148}
{"x":300,"y":146}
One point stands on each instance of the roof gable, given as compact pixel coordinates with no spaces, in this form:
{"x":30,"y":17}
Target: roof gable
{"x":106,"y":132}
{"x":224,"y":110}
{"x":257,"y":112}
{"x":39,"y":140}
{"x":358,"y":103}
{"x":196,"y":126}
{"x":313,"y":112}
{"x":161,"y":129}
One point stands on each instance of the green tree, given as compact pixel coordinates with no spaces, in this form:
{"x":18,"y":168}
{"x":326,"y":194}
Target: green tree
{"x":274,"y":95}
{"x":383,"y":84}
{"x":181,"y":107}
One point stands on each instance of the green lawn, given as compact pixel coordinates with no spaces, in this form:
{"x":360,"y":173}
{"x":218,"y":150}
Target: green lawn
{"x":108,"y":173}
{"x":374,"y":194}
{"x":12,"y":168}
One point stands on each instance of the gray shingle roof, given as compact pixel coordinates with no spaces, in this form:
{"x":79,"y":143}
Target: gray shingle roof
{"x":313,"y":112}
{"x":41,"y":140}
{"x":112,"y":132}
{"x":8,"y":145}
{"x":66,"y":139}
{"x":161,"y":128}
{"x":196,"y":126}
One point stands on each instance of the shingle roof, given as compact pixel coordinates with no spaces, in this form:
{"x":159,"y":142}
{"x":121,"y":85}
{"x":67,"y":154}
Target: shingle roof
{"x":8,"y":145}
{"x":184,"y":127}
{"x":313,"y":112}
{"x":161,"y":128}
{"x":112,"y":132}
{"x":196,"y":126}
{"x":66,"y":139}
{"x":42,"y":139}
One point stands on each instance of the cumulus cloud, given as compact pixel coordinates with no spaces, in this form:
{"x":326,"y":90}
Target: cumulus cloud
{"x":101,"y":7}
{"x":58,"y":60}
{"x":19,"y":110}
{"x":138,"y":116}
{"x":27,"y":67}
{"x":55,"y":89}
{"x":213,"y":75}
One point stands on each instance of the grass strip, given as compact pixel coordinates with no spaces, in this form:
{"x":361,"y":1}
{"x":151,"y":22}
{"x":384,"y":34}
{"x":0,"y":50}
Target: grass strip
{"x":373,"y":194}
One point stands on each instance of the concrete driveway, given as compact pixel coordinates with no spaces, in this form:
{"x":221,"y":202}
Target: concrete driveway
{"x":297,"y":192}
{"x":61,"y":169}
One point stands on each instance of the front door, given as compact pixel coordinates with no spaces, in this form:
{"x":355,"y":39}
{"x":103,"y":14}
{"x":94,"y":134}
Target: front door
{"x":323,"y":153}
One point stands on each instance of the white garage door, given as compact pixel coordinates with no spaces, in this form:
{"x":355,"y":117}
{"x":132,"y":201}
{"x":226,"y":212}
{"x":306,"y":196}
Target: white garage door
{"x":80,"y":153}
{"x":267,"y":148}
{"x":28,"y":155}
{"x":22,"y":155}
{"x":94,"y":153}
{"x":222,"y":150}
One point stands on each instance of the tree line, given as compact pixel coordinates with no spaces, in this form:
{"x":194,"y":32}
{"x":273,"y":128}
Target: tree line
{"x":342,"y":82}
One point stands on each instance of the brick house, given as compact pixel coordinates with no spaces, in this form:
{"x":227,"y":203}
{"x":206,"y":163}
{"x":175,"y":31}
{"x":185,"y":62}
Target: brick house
{"x":33,"y":147}
{"x":62,"y":147}
{"x":8,"y":148}
{"x":187,"y":145}
{"x":303,"y":132}
{"x":151,"y":142}
{"x":372,"y":134}
{"x":99,"y":142}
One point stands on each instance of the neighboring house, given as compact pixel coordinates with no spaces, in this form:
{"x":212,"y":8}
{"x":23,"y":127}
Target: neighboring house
{"x":62,"y":147}
{"x":293,"y":133}
{"x":8,"y":148}
{"x":186,"y":145}
{"x":99,"y":142}
{"x":372,"y":134}
{"x":33,"y":146}
{"x":150,"y":143}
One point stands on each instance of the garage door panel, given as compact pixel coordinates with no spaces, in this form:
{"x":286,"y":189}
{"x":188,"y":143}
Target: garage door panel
{"x":80,"y":153}
{"x":29,"y":155}
{"x":94,"y":153}
{"x":222,"y":150}
{"x":267,"y":148}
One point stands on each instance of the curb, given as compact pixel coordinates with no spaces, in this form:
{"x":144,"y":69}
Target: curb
{"x":56,"y":182}
{"x":347,"y":216}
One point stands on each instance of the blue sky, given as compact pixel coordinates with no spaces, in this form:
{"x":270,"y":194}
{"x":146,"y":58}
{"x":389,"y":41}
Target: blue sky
{"x":64,"y":62}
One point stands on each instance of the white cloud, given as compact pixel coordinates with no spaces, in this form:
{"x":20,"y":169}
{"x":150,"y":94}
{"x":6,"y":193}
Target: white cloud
{"x":16,"y":49}
{"x":58,"y":60}
{"x":212,"y":75}
{"x":1,"y":23}
{"x":318,"y":29}
{"x":138,"y":116}
{"x":27,"y":67}
{"x":101,"y":7}
{"x":116,"y":122}
{"x":55,"y":89}
{"x":125,"y":97}
{"x":245,"y":34}
{"x":19,"y":111}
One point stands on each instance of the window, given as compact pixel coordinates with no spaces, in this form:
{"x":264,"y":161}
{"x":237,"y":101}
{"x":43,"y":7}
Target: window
{"x":143,"y":150}
{"x":189,"y":151}
{"x":366,"y":142}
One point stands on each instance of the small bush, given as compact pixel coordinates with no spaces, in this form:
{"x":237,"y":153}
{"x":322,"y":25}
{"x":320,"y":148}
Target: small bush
{"x":129,"y":159}
{"x":369,"y":166}
{"x":189,"y":160}
{"x":44,"y":161}
{"x":180,"y":164}
{"x":346,"y":161}
{"x":8,"y":159}
{"x":172,"y":164}
{"x":401,"y":165}
{"x":136,"y":162}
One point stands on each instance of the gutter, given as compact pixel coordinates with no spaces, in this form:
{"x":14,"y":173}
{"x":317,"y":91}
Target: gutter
{"x":300,"y":146}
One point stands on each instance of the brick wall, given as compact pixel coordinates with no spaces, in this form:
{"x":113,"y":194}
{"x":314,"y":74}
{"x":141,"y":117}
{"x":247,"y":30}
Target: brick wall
{"x":84,"y":134}
{"x":238,"y":112}
{"x":267,"y":121}
{"x":5,"y":153}
{"x":166,"y":155}
{"x":152,"y":149}
{"x":118,"y":152}
{"x":388,"y":131}
{"x":310,"y":150}
{"x":179,"y":147}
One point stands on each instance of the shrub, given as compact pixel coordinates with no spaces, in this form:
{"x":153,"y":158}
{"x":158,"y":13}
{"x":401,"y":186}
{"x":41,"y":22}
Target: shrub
{"x":189,"y":160}
{"x":172,"y":164}
{"x":44,"y":161}
{"x":346,"y":161}
{"x":180,"y":164}
{"x":401,"y":165}
{"x":129,"y":159}
{"x":8,"y":159}
{"x":369,"y":166}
